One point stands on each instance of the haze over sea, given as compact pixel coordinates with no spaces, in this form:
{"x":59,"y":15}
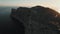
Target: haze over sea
{"x":6,"y":24}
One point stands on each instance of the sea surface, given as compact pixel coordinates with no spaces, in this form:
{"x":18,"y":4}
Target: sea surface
{"x":7,"y":26}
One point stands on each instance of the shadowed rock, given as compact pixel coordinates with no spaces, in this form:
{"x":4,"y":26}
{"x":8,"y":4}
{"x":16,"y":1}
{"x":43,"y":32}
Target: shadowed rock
{"x":36,"y":20}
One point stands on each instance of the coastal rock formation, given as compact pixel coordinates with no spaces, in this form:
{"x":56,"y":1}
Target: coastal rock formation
{"x":36,"y":20}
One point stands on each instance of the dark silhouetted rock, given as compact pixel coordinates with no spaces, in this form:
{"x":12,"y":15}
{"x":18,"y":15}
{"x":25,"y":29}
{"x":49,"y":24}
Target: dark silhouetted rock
{"x":36,"y":20}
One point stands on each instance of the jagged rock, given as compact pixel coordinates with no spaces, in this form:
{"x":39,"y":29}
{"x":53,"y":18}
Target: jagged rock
{"x":36,"y":20}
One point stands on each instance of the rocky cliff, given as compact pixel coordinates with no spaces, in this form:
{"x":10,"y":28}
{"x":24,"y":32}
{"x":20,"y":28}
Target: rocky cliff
{"x":36,"y":20}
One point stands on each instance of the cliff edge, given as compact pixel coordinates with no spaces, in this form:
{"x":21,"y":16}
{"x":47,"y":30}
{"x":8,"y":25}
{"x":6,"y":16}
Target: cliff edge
{"x":36,"y":20}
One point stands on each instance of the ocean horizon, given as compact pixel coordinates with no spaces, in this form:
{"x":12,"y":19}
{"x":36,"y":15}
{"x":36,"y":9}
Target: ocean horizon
{"x":6,"y":24}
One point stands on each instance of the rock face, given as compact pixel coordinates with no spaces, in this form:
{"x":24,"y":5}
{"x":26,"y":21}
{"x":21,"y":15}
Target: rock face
{"x":36,"y":20}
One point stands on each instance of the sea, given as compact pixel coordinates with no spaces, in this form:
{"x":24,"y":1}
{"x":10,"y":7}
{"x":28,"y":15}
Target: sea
{"x":7,"y":26}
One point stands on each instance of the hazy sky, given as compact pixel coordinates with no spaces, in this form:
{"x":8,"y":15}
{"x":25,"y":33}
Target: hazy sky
{"x":54,"y":4}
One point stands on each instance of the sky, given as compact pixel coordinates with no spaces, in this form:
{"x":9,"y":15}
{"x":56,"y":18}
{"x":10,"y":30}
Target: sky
{"x":54,"y":4}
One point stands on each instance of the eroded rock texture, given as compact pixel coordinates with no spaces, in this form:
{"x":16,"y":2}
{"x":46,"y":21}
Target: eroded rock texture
{"x":36,"y":20}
